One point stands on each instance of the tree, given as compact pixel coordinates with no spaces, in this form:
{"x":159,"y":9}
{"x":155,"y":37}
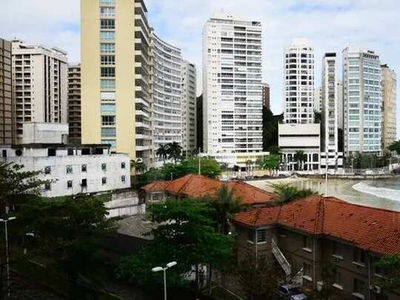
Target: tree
{"x":274,"y":150}
{"x":270,"y":162}
{"x":174,"y":151}
{"x":258,"y":277}
{"x":284,"y":193}
{"x":185,"y":234}
{"x":224,"y":206}
{"x":163,"y":151}
{"x":300,"y":157}
{"x":395,"y":147}
{"x":270,"y":128}
{"x":389,"y":267}
{"x":138,"y":165}
{"x":17,"y":186}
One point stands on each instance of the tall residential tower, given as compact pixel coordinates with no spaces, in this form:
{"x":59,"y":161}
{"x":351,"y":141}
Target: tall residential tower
{"x":74,"y":103}
{"x":6,"y":97}
{"x":389,"y":126}
{"x":232,"y":96}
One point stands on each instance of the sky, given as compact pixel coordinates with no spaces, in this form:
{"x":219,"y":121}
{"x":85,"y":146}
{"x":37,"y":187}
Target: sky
{"x":330,"y":25}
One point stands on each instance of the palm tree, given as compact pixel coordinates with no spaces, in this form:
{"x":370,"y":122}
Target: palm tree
{"x":225,"y":205}
{"x":284,"y":193}
{"x":300,"y":157}
{"x":163,"y":151}
{"x":174,"y":151}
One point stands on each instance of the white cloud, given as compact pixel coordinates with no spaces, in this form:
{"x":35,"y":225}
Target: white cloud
{"x":331,"y":25}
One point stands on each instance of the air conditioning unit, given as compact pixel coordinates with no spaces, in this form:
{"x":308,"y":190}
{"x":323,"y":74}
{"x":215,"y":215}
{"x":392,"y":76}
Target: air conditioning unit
{"x":375,"y":288}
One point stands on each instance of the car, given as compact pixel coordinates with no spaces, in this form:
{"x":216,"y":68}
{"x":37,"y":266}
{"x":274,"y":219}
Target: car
{"x":290,"y":292}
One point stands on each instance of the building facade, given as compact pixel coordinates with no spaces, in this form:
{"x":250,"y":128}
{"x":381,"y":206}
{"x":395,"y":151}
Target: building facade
{"x":40,"y":83}
{"x":74,"y":103}
{"x":167,"y":94}
{"x":115,"y":72}
{"x":299,"y":83}
{"x":339,"y":92}
{"x":330,"y":155}
{"x":389,"y":106}
{"x":362,"y":99}
{"x":189,"y":108}
{"x":266,"y":95}
{"x":6,"y":97}
{"x":232,"y":94}
{"x":318,"y":99}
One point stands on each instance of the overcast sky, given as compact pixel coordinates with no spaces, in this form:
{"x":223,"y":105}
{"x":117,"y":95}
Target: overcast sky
{"x":330,"y":25}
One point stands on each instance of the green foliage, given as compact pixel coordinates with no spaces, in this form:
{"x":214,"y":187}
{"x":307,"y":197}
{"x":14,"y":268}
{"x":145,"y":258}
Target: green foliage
{"x":185,"y":234}
{"x":138,"y":165}
{"x":269,"y":162}
{"x":284,"y":193}
{"x":274,"y":150}
{"x":389,"y":267}
{"x":17,"y":186}
{"x":395,"y":147}
{"x":317,"y":117}
{"x":366,"y":161}
{"x":270,"y":128}
{"x":300,"y":157}
{"x":259,"y":278}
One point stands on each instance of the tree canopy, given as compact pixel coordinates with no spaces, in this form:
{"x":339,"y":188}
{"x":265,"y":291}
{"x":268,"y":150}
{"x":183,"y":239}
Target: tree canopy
{"x":395,"y":147}
{"x":284,"y":193}
{"x":389,"y":267}
{"x":269,"y":162}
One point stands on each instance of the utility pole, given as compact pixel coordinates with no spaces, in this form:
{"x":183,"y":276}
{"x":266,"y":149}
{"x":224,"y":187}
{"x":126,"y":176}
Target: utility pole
{"x":7,"y":254}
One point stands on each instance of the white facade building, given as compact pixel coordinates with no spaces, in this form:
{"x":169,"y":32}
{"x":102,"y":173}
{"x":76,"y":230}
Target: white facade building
{"x":167,"y":94}
{"x":330,"y":120}
{"x":318,"y":99}
{"x":299,"y":83}
{"x":294,"y":138}
{"x":389,"y":108}
{"x":232,"y":96}
{"x":339,"y":91}
{"x":362,"y":101}
{"x":40,"y":82}
{"x":189,"y":128}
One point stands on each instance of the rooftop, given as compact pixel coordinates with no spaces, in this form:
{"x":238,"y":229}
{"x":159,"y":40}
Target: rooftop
{"x":373,"y":229}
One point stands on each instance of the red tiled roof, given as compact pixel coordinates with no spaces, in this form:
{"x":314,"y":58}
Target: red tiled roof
{"x":156,"y":186}
{"x":193,"y":185}
{"x":369,"y":228}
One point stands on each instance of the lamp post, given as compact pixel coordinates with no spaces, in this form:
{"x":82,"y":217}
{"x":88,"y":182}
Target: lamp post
{"x":158,"y":269}
{"x":5,"y":221}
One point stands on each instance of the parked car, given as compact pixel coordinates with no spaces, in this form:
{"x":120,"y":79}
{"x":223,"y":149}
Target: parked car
{"x":290,"y":292}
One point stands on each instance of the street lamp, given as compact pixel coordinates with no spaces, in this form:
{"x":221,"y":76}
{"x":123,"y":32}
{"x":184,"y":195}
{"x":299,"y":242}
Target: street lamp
{"x":158,"y":269}
{"x":7,"y":257}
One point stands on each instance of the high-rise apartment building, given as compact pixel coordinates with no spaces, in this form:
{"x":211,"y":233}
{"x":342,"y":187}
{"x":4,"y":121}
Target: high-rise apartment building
{"x":232,"y":95}
{"x":115,"y":72}
{"x":318,"y":99}
{"x":74,"y":103}
{"x":329,"y":114}
{"x":339,"y":91}
{"x":299,"y":82}
{"x":189,"y":106}
{"x":6,"y":98}
{"x":389,"y":126}
{"x":40,"y":84}
{"x":362,"y":101}
{"x":266,"y":95}
{"x":167,"y":94}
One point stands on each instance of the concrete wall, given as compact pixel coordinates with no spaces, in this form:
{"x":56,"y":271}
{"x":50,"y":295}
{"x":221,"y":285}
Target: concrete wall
{"x":125,"y":203}
{"x":46,"y":133}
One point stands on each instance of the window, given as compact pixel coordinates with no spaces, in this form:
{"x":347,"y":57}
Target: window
{"x":337,"y":280}
{"x":84,"y":183}
{"x":107,"y":12}
{"x":108,"y":120}
{"x":359,"y":288}
{"x":107,"y":24}
{"x":104,"y":167}
{"x":107,"y":72}
{"x":70,"y":151}
{"x":107,"y":2}
{"x":107,"y":83}
{"x":84,"y":168}
{"x":108,"y":108}
{"x":69,"y":169}
{"x":359,"y":256}
{"x":307,"y":272}
{"x":104,"y":180}
{"x":123,"y":165}
{"x":47,"y":186}
{"x":250,"y":236}
{"x":69,"y":184}
{"x":107,"y":59}
{"x":123,"y":178}
{"x":261,"y":236}
{"x":307,"y":243}
{"x":105,"y":132}
{"x":47,"y":170}
{"x":107,"y":35}
{"x":107,"y":47}
{"x":337,"y":250}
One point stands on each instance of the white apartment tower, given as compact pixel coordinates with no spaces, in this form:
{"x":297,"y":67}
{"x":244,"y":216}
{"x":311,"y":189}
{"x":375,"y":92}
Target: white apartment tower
{"x":299,"y":83}
{"x":389,"y":126}
{"x":189,"y":131}
{"x":232,"y":96}
{"x":167,"y":94}
{"x":40,"y":83}
{"x":362,"y":101}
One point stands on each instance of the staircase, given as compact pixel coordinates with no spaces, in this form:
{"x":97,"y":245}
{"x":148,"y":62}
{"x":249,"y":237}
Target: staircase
{"x":287,"y":268}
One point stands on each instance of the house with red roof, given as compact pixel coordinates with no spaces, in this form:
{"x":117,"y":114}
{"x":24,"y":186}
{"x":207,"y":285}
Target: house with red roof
{"x":307,"y":235}
{"x":195,"y":186}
